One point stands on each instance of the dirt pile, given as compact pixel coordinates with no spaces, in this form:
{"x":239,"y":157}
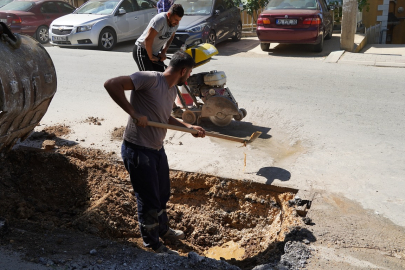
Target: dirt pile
{"x":94,"y":120}
{"x":87,"y":191}
{"x":215,"y":212}
{"x":118,"y":133}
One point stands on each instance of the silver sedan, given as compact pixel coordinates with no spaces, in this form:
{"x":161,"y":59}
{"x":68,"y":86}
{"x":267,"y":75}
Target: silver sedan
{"x":102,"y":23}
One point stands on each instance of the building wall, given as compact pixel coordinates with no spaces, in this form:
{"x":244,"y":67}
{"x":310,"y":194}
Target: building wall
{"x":398,"y":31}
{"x":395,"y":34}
{"x":370,"y":17}
{"x":76,"y":3}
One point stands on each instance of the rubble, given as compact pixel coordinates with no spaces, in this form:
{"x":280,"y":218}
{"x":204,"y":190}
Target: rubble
{"x":60,"y":202}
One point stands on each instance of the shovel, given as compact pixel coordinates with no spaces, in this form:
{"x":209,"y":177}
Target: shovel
{"x":211,"y":134}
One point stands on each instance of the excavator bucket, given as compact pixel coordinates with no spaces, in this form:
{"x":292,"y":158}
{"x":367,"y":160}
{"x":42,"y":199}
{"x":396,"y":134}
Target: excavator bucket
{"x":27,"y":85}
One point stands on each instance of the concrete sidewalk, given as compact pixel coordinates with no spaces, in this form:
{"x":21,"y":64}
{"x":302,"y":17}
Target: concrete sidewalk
{"x":379,"y":55}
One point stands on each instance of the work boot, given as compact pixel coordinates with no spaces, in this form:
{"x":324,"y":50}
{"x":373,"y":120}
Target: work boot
{"x":173,"y":235}
{"x":177,"y":112}
{"x":164,"y":249}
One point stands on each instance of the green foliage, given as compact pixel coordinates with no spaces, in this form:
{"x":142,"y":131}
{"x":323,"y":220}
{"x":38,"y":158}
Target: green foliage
{"x":252,"y":7}
{"x":361,"y":4}
{"x":364,"y":4}
{"x":237,"y":2}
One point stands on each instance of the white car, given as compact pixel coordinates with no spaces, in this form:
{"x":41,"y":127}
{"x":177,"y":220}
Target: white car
{"x":102,"y":23}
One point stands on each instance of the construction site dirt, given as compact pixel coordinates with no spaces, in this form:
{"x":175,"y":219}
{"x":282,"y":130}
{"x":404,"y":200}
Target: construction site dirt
{"x":74,"y":208}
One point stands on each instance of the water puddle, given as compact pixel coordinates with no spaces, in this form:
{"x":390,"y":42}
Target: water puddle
{"x":228,"y":251}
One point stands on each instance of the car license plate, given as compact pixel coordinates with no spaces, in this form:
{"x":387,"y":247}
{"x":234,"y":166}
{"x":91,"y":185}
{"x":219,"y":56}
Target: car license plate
{"x":286,"y":21}
{"x":3,"y":20}
{"x":59,"y":38}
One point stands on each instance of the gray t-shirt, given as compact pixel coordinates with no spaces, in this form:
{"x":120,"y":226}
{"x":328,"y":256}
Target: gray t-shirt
{"x":153,"y":98}
{"x":159,"y":23}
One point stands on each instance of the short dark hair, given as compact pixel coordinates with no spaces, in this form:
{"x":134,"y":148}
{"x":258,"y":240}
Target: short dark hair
{"x":181,"y":60}
{"x":177,"y":9}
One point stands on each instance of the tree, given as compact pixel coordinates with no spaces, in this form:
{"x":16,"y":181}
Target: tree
{"x":252,"y":6}
{"x":364,"y":4}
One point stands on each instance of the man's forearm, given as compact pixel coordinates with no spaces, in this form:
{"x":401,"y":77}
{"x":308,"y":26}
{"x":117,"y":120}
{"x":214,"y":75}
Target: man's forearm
{"x":175,"y":122}
{"x":167,"y":45}
{"x":148,"y":48}
{"x":116,"y":89}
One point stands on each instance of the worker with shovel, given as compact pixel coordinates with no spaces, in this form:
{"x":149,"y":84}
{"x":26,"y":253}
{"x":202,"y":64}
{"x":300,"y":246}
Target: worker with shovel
{"x":152,"y":96}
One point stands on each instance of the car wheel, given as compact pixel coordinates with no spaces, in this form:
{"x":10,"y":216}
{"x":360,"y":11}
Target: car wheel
{"x":107,"y":40}
{"x":265,"y":46}
{"x":43,"y":34}
{"x":329,"y":35}
{"x":238,"y":32}
{"x":319,"y":47}
{"x":212,"y":38}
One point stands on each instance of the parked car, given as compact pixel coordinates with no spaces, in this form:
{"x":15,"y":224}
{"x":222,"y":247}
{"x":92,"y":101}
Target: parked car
{"x":295,"y":21}
{"x":4,"y":2}
{"x":33,"y":17}
{"x":103,"y":23}
{"x":207,"y":21}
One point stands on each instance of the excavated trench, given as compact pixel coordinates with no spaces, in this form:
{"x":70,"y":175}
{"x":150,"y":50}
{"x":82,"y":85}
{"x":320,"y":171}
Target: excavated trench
{"x":88,"y":190}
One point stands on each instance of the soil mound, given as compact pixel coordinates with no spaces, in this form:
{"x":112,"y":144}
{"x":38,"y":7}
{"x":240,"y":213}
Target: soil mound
{"x":88,"y":191}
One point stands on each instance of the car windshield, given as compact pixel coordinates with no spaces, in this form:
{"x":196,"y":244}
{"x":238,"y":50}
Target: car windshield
{"x":196,"y":7}
{"x":4,"y":2}
{"x":98,"y":7}
{"x":292,"y":4}
{"x":18,"y":5}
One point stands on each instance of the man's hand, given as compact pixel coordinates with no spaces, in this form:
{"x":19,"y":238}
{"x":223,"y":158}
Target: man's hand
{"x":162,"y":56}
{"x":155,"y":58}
{"x":140,"y":120}
{"x":174,"y":121}
{"x":201,"y":131}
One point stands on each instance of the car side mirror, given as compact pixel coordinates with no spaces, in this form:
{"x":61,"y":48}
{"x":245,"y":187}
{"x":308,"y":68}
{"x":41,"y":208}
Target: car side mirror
{"x":121,"y":11}
{"x":217,"y":12}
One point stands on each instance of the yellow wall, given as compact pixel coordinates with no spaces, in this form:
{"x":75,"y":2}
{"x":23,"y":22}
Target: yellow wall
{"x":370,"y":17}
{"x":397,"y":31}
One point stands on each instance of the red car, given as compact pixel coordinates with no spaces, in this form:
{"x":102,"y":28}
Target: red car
{"x":295,"y":22}
{"x":33,"y":17}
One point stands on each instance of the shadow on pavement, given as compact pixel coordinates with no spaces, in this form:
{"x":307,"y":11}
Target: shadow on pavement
{"x":273,"y":173}
{"x":237,"y":129}
{"x":125,"y":46}
{"x":229,"y":47}
{"x":305,"y":50}
{"x":250,"y":45}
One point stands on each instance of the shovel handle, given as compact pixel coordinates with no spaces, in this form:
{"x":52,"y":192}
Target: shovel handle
{"x":193,"y":131}
{"x":167,"y":126}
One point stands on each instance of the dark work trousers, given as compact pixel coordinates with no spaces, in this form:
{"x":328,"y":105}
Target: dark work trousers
{"x":142,"y":60}
{"x":149,"y":174}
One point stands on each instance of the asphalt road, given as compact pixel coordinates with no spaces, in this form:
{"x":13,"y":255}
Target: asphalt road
{"x":331,"y":127}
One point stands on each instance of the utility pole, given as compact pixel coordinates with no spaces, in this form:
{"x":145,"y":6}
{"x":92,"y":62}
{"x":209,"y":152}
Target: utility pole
{"x":348,"y":26}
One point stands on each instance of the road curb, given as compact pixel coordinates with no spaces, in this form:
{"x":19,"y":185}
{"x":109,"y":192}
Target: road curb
{"x":249,"y":34}
{"x":334,"y":57}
